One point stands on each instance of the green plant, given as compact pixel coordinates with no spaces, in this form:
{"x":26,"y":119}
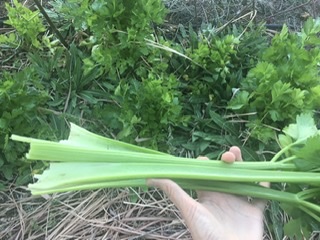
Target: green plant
{"x":131,"y":90}
{"x":209,"y":80}
{"x":72,"y":90}
{"x":219,"y":62}
{"x":20,"y":95}
{"x":283,"y":84}
{"x":115,"y":31}
{"x":27,"y":23}
{"x":149,"y":108}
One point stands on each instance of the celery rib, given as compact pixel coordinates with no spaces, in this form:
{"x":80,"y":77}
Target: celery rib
{"x":90,"y":161}
{"x":84,"y":172}
{"x":51,"y":151}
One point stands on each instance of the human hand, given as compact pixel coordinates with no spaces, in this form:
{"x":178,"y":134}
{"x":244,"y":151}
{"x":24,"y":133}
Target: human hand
{"x":217,"y":215}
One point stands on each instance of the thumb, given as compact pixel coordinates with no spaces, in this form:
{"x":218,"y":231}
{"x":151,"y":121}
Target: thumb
{"x":176,"y":194}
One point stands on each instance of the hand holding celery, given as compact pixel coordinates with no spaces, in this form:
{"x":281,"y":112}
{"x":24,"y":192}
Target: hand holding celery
{"x":90,"y":161}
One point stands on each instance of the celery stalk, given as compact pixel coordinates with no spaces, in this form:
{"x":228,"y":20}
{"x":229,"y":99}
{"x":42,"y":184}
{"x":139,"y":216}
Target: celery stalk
{"x":90,"y":161}
{"x":73,"y":173}
{"x":65,"y":152}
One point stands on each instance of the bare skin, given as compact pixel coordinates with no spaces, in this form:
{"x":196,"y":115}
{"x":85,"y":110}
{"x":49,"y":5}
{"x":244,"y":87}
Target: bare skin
{"x":216,"y":215}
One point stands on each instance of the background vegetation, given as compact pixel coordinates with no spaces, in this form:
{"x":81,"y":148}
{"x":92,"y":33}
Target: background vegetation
{"x":185,"y":77}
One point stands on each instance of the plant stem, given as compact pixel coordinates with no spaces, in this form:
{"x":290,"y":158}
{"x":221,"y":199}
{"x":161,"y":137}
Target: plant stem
{"x":73,"y":173}
{"x":308,"y":209}
{"x":286,"y":148}
{"x":51,"y":151}
{"x":288,"y":159}
{"x":53,"y":27}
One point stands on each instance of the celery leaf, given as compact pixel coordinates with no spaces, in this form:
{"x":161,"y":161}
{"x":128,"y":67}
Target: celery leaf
{"x":296,"y":228}
{"x":309,"y":154}
{"x":303,"y":129}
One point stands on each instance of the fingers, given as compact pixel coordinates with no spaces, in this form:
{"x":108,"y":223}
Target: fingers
{"x":228,"y":157}
{"x":237,"y":153}
{"x":176,"y":194}
{"x":265,"y":184}
{"x":234,"y":154}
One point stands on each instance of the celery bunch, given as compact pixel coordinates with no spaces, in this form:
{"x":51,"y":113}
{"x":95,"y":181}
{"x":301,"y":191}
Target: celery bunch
{"x":90,"y":161}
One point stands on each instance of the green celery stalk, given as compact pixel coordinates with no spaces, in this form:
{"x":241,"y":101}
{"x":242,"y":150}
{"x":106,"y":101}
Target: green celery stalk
{"x":65,"y":152}
{"x":72,"y":173}
{"x":90,"y":161}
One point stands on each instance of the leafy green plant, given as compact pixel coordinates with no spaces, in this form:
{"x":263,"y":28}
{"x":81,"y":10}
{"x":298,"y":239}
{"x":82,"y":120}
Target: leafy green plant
{"x":284,"y":83}
{"x":20,"y":96}
{"x":26,"y":22}
{"x":149,"y":107}
{"x":219,"y":62}
{"x":9,"y":40}
{"x":131,"y":89}
{"x":115,"y":31}
{"x":72,"y":90}
{"x":209,"y":80}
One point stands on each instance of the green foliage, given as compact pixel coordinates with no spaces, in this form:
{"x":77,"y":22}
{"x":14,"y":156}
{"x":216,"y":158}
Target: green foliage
{"x":214,"y":58}
{"x":64,"y":69}
{"x":9,"y":40}
{"x":284,"y":83}
{"x":115,"y":30}
{"x":300,"y":145}
{"x":275,"y":220}
{"x":27,"y":24}
{"x":20,"y":96}
{"x":149,"y":107}
{"x":131,"y":90}
{"x":219,"y":63}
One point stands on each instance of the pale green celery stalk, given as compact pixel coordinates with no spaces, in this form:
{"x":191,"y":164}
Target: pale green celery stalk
{"x":247,"y":189}
{"x":287,"y":148}
{"x":71,"y":174}
{"x":87,"y":146}
{"x":89,"y":161}
{"x":258,"y":192}
{"x":36,"y":190}
{"x":62,"y":152}
{"x":83,"y":138}
{"x":309,"y":193}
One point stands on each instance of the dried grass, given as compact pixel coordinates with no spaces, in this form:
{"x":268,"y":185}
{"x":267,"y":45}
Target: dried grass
{"x":101,"y":214}
{"x":219,"y":12}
